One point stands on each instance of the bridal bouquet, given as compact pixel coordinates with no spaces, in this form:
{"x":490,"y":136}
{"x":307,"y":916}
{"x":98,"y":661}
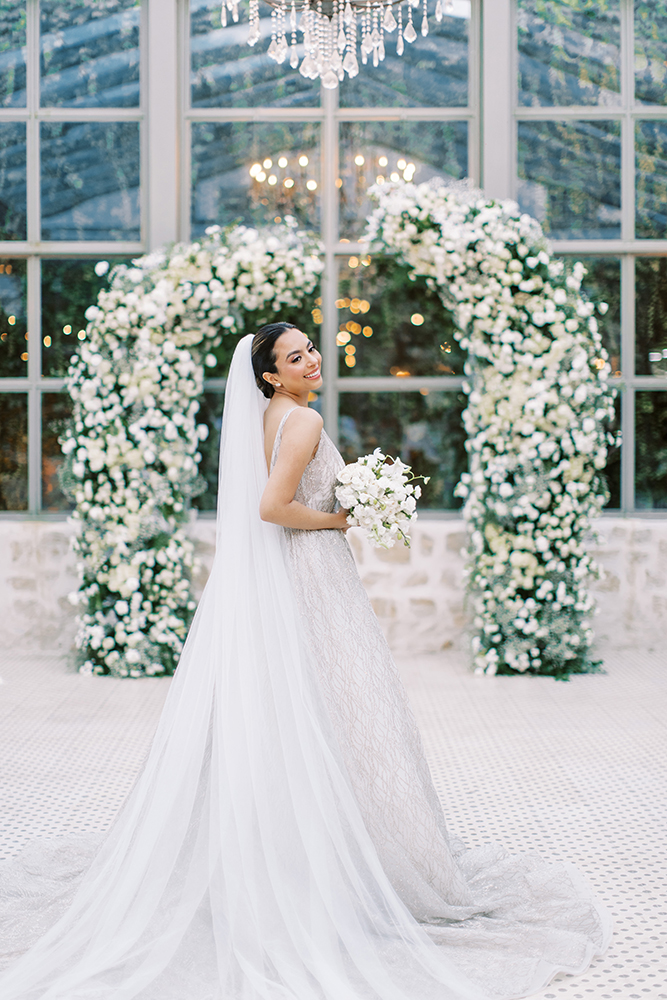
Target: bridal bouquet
{"x":380,"y":494}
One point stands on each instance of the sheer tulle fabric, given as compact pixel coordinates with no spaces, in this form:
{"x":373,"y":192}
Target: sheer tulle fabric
{"x":240,"y":867}
{"x":278,"y":844}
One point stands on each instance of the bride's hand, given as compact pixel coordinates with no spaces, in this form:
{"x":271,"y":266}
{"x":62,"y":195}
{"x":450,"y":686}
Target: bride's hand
{"x":341,"y":516}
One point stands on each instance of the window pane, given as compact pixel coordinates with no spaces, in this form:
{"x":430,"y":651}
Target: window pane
{"x":14,"y":451}
{"x":651,"y":316}
{"x":56,"y":411}
{"x":650,"y":52}
{"x":602,"y":283}
{"x":570,"y":177}
{"x":228,"y":73}
{"x":392,"y":150}
{"x":569,"y":53}
{"x":90,"y":181}
{"x":223,"y":190}
{"x":651,"y":179}
{"x":389,"y":325}
{"x":210,"y":413}
{"x":13,"y":318}
{"x":90,"y":53}
{"x":12,"y":181}
{"x":651,"y":450}
{"x":424,"y":430}
{"x":432,"y":72}
{"x":12,"y":60}
{"x":68,"y":288}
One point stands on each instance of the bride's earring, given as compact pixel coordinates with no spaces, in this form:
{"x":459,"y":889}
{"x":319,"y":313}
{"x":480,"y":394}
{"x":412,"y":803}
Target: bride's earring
{"x":278,"y":385}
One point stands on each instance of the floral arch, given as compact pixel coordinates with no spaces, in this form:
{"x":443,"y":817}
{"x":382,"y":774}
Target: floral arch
{"x":537,"y":419}
{"x":538,"y":409}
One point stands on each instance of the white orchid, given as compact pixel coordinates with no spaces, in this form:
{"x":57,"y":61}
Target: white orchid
{"x":381,"y":497}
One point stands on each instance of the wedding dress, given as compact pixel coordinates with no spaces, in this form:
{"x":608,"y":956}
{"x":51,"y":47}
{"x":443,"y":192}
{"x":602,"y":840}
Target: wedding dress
{"x":284,"y":840}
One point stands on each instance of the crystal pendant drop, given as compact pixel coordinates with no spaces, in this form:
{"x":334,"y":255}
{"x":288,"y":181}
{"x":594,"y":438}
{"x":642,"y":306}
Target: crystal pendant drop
{"x":438,"y":11}
{"x":389,"y":23}
{"x":294,"y":57}
{"x":410,"y":34}
{"x":350,"y":64}
{"x":330,"y":80}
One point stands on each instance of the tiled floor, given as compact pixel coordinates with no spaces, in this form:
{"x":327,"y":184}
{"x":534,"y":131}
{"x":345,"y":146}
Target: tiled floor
{"x":574,"y":770}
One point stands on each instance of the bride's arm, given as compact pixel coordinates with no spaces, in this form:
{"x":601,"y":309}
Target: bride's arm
{"x":301,"y":435}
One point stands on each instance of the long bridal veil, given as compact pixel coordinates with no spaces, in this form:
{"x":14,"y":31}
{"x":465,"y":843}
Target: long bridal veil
{"x":239,"y":867}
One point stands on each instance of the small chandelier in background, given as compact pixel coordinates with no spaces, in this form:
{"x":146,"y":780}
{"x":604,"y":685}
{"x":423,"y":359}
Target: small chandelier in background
{"x":335,"y":30}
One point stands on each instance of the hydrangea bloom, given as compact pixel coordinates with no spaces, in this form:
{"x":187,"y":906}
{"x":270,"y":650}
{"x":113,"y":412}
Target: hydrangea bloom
{"x":539,"y":408}
{"x":132,"y":446}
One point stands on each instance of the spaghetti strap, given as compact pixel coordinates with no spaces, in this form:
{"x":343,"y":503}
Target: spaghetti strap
{"x":279,"y":434}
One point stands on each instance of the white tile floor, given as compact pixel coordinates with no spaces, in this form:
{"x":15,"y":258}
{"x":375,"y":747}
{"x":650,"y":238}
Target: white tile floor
{"x":574,"y":770}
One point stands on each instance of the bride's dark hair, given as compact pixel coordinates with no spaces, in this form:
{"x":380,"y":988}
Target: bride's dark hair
{"x":263,"y":354}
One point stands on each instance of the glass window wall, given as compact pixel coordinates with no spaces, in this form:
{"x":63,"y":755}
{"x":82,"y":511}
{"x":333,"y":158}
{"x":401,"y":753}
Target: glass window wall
{"x":257,"y":142}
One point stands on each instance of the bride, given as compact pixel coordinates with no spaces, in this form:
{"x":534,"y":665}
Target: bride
{"x":284,"y":840}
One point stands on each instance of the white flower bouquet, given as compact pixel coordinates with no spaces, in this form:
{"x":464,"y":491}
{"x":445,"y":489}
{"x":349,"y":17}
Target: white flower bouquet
{"x":381,"y":496}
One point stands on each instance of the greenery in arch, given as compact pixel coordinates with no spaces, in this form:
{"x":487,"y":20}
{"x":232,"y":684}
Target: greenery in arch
{"x":539,"y":410}
{"x":132,"y":447}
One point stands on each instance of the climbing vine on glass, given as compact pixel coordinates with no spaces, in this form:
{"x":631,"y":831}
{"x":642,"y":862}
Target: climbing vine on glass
{"x":539,"y":410}
{"x":132,"y":446}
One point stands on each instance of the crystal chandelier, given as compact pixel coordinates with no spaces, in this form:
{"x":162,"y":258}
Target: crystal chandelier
{"x":335,"y":30}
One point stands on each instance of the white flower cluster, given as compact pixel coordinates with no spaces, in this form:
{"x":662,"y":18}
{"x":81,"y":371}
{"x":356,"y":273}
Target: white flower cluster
{"x":380,"y":497}
{"x":132,"y":447}
{"x":539,"y":408}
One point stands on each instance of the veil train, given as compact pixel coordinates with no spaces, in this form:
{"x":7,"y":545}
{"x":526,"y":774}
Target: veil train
{"x":239,"y":867}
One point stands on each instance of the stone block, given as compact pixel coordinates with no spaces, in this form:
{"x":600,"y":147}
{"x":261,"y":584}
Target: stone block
{"x":426,"y":545}
{"x":399,"y":554}
{"x":383,"y":608}
{"x":370,"y":579}
{"x":421,"y":607}
{"x":456,"y":541}
{"x":641,"y":536}
{"x":416,"y":579}
{"x":609,"y":583}
{"x":22,"y":582}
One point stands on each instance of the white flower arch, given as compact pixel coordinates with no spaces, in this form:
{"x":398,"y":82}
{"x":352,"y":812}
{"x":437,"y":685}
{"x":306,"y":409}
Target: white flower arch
{"x":539,"y":409}
{"x":132,"y":447}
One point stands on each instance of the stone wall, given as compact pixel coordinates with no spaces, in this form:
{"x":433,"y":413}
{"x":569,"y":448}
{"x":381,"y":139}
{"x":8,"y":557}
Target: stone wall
{"x":417,"y":593}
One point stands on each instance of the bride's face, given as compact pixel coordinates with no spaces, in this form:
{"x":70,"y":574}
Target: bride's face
{"x":298,"y":363}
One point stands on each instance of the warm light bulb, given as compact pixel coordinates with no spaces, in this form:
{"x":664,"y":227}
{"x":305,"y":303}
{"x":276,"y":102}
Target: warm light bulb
{"x":288,"y":182}
{"x":394,"y":176}
{"x":416,"y":319}
{"x":255,"y":169}
{"x":268,"y":163}
{"x":383,"y":161}
{"x":273,"y":179}
{"x":402,"y":164}
{"x":261,"y":176}
{"x":359,"y":160}
{"x":311,"y":185}
{"x":11,"y":320}
{"x":303,"y":161}
{"x":282,"y":162}
{"x":67,"y":329}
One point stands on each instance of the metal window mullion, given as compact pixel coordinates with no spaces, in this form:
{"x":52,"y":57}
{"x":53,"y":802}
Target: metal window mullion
{"x":329,"y":209}
{"x":474,"y":88}
{"x":628,"y":388}
{"x":628,"y":125}
{"x":496,"y":97}
{"x":33,"y":346}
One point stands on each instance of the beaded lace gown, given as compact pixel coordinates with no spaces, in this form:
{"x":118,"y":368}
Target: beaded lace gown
{"x":510,"y":922}
{"x":284,"y":840}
